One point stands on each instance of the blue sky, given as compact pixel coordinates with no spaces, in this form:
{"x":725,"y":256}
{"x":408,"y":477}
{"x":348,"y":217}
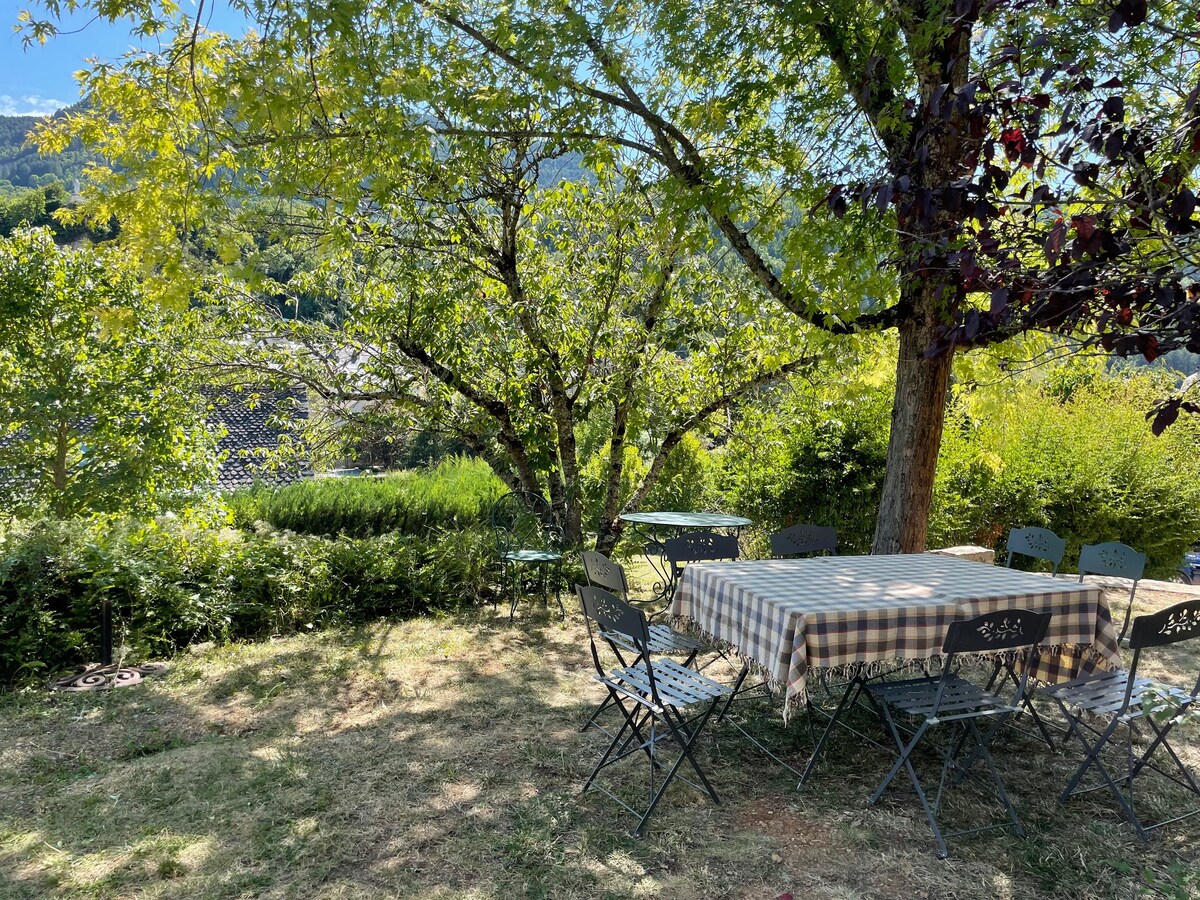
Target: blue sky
{"x":40,"y":79}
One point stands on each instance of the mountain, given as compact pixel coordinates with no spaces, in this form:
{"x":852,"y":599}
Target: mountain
{"x":21,"y":166}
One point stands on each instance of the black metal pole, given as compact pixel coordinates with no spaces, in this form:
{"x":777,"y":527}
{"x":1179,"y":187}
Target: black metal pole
{"x":106,"y":640}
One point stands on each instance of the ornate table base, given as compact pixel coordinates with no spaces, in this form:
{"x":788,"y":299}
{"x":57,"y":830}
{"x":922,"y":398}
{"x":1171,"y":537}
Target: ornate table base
{"x":104,"y":678}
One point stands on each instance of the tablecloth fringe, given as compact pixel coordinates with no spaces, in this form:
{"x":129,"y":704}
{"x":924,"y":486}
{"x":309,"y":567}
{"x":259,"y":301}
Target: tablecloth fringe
{"x":1090,"y":659}
{"x":757,"y":669}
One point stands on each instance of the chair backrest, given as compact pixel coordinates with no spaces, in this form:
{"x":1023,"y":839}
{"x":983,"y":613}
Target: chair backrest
{"x":1003,"y":629}
{"x":1180,"y":622}
{"x":699,"y":546}
{"x":803,"y":539}
{"x":1114,"y":559}
{"x":1039,"y":543}
{"x":612,"y":615}
{"x":1000,"y":630}
{"x":602,"y":572}
{"x":524,"y":520}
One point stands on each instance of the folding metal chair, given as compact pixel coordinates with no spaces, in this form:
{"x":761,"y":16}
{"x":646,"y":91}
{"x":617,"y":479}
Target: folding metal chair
{"x":652,"y":696}
{"x":708,"y":546}
{"x":526,"y":534}
{"x":664,"y":640}
{"x":1116,"y":560}
{"x":698,"y":546}
{"x":1038,"y":543}
{"x":950,"y":699}
{"x":1102,"y":702}
{"x":803,"y":539}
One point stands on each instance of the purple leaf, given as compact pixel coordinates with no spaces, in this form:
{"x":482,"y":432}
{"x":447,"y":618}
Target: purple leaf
{"x":1054,"y":241}
{"x":1164,"y":416}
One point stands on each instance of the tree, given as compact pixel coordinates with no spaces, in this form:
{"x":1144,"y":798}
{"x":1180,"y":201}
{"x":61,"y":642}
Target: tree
{"x":488,"y":297}
{"x":95,"y":416}
{"x":956,"y":171}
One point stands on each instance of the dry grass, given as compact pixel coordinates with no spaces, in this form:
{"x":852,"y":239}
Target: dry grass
{"x":441,"y":758}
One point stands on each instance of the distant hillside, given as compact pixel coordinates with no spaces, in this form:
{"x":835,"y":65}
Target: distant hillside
{"x":22,"y":166}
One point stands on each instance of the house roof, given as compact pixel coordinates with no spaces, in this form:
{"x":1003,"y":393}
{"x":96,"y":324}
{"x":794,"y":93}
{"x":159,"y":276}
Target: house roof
{"x":254,"y":422}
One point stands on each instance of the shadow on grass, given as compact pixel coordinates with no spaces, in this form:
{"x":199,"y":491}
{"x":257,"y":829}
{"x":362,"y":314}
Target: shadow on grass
{"x":442,"y":758}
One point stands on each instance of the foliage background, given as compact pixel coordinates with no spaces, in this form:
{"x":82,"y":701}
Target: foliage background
{"x":174,"y":582}
{"x":1067,"y":449}
{"x":98,"y":412}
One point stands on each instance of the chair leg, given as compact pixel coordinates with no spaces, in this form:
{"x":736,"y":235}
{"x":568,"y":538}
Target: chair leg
{"x":1091,"y":752}
{"x":679,"y":730}
{"x":1128,"y":616}
{"x":905,"y":762}
{"x":607,"y":702}
{"x":511,"y":579}
{"x":1160,"y":737}
{"x":630,"y":724}
{"x":609,"y":750}
{"x":902,"y":759}
{"x":981,"y":751}
{"x":596,"y":712}
{"x":737,"y":686}
{"x":1092,"y":759}
{"x":1026,"y":700}
{"x":685,"y":751}
{"x":562,"y":610}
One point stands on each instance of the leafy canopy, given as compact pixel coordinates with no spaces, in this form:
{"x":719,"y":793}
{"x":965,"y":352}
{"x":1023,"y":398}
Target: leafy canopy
{"x":95,"y":416}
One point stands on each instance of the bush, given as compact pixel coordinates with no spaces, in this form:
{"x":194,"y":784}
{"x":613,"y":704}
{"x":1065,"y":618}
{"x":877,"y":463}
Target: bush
{"x":683,"y":483}
{"x":1072,"y":453}
{"x":458,"y":493}
{"x":1080,"y":460}
{"x":173,"y":583}
{"x":812,"y":460}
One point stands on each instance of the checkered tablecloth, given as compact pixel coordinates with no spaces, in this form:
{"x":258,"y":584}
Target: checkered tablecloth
{"x":788,"y":617}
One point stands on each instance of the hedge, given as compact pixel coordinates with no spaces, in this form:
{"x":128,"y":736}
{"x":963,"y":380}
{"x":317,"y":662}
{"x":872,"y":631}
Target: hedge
{"x":173,"y":583}
{"x":457,"y":493}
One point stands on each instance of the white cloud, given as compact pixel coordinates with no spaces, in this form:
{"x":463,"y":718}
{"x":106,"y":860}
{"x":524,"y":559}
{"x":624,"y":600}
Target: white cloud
{"x":30,"y":105}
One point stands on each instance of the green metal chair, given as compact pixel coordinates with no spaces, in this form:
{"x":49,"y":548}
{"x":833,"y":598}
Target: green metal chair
{"x":698,"y":546}
{"x":1102,"y":703}
{"x":664,"y":640}
{"x":1038,"y":543}
{"x":1116,"y":560}
{"x":800,"y":540}
{"x":661,"y":702}
{"x":527,"y":535}
{"x":930,"y":702}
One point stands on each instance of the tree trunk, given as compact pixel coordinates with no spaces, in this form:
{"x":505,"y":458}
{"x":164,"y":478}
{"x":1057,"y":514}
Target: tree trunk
{"x":62,"y":445}
{"x":918,"y":414}
{"x":608,"y":534}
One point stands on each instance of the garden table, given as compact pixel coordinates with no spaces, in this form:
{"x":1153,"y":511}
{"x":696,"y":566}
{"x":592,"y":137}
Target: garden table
{"x":648,"y":526}
{"x":849,"y":615}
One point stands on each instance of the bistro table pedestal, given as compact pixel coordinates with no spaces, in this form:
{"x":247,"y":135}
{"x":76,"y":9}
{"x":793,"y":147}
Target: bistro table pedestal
{"x":106,"y":675}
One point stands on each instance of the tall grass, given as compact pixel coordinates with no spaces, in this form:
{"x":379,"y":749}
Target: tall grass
{"x":458,"y":493}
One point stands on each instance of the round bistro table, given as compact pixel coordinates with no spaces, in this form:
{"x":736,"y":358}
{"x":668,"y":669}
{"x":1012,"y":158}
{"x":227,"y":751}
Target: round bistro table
{"x":648,"y":526}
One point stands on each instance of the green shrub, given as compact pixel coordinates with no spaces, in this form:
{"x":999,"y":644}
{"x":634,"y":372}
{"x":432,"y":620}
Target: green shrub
{"x":1080,"y":461}
{"x":812,"y":460}
{"x":685,"y":480}
{"x":457,"y":493}
{"x":1072,"y":453}
{"x":683,"y":484}
{"x":173,"y":582}
{"x":42,"y":600}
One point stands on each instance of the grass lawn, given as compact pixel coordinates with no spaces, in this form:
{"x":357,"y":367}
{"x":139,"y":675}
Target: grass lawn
{"x":442,"y":758}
